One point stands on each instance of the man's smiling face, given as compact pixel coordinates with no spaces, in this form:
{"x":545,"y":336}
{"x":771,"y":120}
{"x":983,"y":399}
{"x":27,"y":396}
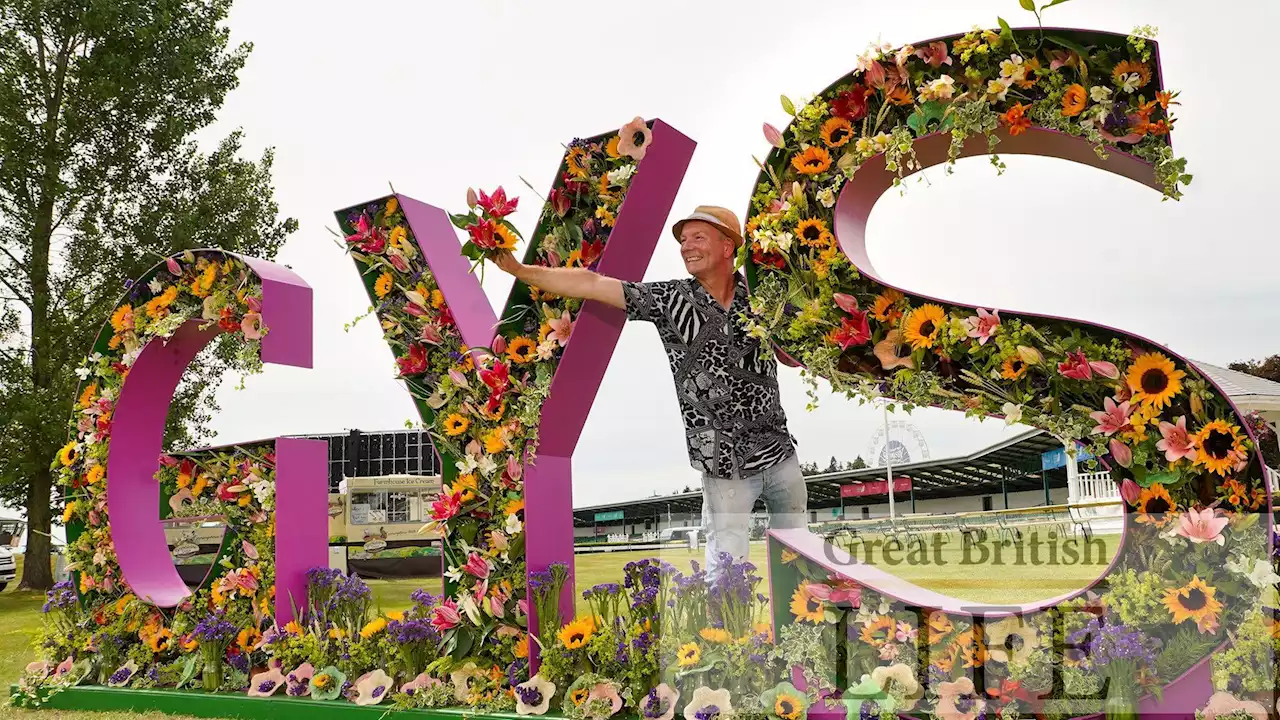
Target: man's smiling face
{"x":703,"y":247}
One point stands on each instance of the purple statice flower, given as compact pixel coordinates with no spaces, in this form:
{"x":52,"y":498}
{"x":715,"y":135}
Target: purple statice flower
{"x":323,"y":577}
{"x":121,"y":676}
{"x":643,"y":641}
{"x":61,"y":596}
{"x":266,"y":686}
{"x":540,"y":579}
{"x":1101,"y":644}
{"x":621,"y":656}
{"x":655,"y":705}
{"x":516,"y":670}
{"x":153,"y":673}
{"x":529,"y":695}
{"x":410,"y":631}
{"x":377,"y":692}
{"x":352,"y":589}
{"x":214,"y":628}
{"x":707,"y":712}
{"x":871,"y":710}
{"x":240,"y":662}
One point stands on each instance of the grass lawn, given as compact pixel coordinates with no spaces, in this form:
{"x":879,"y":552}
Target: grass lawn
{"x":968,"y":573}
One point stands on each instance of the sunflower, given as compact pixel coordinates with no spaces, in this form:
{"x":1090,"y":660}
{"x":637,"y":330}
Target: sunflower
{"x":577,"y":162}
{"x":578,"y":695}
{"x":606,"y":216}
{"x":505,"y":236}
{"x":882,"y":308}
{"x":495,"y":441}
{"x":688,"y":654}
{"x":577,"y":633}
{"x":465,"y":484}
{"x":437,"y":299}
{"x":1221,"y":446}
{"x":574,"y":259}
{"x":392,"y":205}
{"x":836,"y":132}
{"x":812,"y":161}
{"x":1193,"y":601}
{"x":970,"y":644}
{"x":718,"y":636}
{"x":398,"y":235}
{"x":1154,"y":380}
{"x":611,"y":149}
{"x":1074,"y":100}
{"x":788,"y":706}
{"x":1013,"y":368}
{"x":122,"y":318}
{"x":86,"y":397}
{"x":373,"y":627}
{"x":513,"y":507}
{"x":877,"y":631}
{"x":67,"y":454}
{"x":456,"y":424}
{"x":382,"y":285}
{"x":806,"y":607}
{"x":923,"y":325}
{"x":95,"y":474}
{"x":1155,"y":507}
{"x":813,"y":232}
{"x":789,"y":556}
{"x":522,"y":350}
{"x":247,"y":638}
{"x":1129,"y":67}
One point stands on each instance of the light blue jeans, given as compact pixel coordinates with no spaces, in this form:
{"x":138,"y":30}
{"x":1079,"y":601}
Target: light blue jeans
{"x":727,"y":504}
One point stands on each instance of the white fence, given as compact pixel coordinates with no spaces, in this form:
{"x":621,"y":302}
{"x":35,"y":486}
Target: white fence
{"x":1100,"y":486}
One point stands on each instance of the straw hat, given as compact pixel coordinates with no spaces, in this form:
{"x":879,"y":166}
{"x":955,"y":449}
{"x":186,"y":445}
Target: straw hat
{"x":722,"y":218}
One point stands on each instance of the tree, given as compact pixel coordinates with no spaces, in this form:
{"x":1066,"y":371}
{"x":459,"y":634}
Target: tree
{"x":833,"y":466}
{"x":1268,"y":368}
{"x":855,"y":464}
{"x":100,"y":178}
{"x":809,"y":468}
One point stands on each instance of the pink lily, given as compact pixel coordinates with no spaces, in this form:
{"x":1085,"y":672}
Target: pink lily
{"x":446,"y":616}
{"x":561,"y":328}
{"x":458,"y":378}
{"x":472,"y":199}
{"x":853,"y":330}
{"x":1121,"y":452}
{"x":398,"y":262}
{"x":254,"y":303}
{"x":1176,"y":442}
{"x":1076,"y":366}
{"x":250,"y":551}
{"x":1130,"y":491}
{"x":431,"y":335}
{"x":497,"y":205}
{"x":983,"y":325}
{"x":1112,"y":418}
{"x":477,"y":565}
{"x":173,"y":266}
{"x":499,"y":344}
{"x":875,"y":74}
{"x":1105,"y":369}
{"x":847,"y":303}
{"x":514,"y":468}
{"x":1201,"y":526}
{"x":774,"y":137}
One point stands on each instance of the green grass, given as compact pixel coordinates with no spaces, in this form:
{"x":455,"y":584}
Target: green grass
{"x":946,"y":571}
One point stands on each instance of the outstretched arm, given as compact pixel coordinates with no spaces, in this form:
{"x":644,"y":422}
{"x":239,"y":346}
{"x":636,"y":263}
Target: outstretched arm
{"x":568,"y":282}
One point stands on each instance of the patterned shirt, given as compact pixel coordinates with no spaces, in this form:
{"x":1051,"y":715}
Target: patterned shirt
{"x":726,"y":382}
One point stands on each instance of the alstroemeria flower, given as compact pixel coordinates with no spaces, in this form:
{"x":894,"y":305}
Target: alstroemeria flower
{"x":1176,"y":442}
{"x":561,"y":328}
{"x":935,"y":54}
{"x":1201,"y":526}
{"x":1112,"y":418}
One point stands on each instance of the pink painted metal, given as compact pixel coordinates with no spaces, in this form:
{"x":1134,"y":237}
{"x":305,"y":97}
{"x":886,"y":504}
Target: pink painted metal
{"x":638,"y":226}
{"x":302,"y":519}
{"x":875,"y":487}
{"x":133,"y":496}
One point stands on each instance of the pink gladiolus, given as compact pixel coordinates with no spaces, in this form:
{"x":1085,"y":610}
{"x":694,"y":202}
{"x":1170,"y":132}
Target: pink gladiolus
{"x":1121,"y":452}
{"x":458,"y":378}
{"x":446,"y":616}
{"x":495,"y":606}
{"x":173,"y":266}
{"x":1201,"y":526}
{"x":983,"y":325}
{"x":1112,"y":419}
{"x":514,"y":468}
{"x":254,"y":303}
{"x":415,"y":310}
{"x":398,"y":262}
{"x":252,"y":325}
{"x":1176,"y":442}
{"x":477,"y":566}
{"x":935,"y":54}
{"x":774,"y":137}
{"x":1076,"y":366}
{"x":1130,"y":491}
{"x":847,"y":303}
{"x":1105,"y":369}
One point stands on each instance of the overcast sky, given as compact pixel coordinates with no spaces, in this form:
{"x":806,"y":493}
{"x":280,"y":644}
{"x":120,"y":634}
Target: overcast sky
{"x":436,"y":97}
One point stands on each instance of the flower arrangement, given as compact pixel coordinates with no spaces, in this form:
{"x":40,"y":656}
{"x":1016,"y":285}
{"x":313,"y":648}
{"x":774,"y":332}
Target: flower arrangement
{"x":482,"y":405}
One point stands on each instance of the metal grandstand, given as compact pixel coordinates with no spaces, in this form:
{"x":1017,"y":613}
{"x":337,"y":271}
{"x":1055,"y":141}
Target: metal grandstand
{"x":1010,"y":466}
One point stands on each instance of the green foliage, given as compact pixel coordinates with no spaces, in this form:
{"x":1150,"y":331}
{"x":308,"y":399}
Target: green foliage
{"x":1187,"y":647}
{"x":1251,"y":660}
{"x":1136,"y":597}
{"x":99,"y":105}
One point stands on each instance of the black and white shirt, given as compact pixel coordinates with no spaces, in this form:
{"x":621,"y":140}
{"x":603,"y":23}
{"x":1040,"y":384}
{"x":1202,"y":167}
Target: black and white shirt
{"x":726,"y":381}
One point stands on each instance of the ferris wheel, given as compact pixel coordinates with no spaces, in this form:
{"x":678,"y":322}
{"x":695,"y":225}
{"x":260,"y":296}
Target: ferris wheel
{"x":897,"y":443}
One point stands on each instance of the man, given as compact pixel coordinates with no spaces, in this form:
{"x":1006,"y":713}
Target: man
{"x":726,"y":381}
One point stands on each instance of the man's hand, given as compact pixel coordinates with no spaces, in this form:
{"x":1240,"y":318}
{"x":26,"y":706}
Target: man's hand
{"x":508,"y":263}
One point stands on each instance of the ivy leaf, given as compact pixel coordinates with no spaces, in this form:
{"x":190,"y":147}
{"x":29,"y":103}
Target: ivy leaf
{"x":1164,"y":478}
{"x":926,"y":115}
{"x":787,"y":106}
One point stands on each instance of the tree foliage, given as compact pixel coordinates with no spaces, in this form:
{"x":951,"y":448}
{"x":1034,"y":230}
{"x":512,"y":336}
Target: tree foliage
{"x":100,"y":177}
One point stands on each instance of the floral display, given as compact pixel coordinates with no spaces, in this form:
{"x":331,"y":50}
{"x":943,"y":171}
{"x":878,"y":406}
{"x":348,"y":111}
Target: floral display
{"x":1183,"y":458}
{"x":482,"y":405}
